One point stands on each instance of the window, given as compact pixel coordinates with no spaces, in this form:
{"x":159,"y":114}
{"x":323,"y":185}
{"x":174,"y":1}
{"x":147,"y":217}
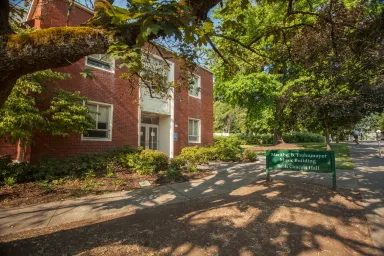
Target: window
{"x":102,"y":115}
{"x":194,"y":130}
{"x":194,"y":89}
{"x":100,"y":61}
{"x":155,"y":75}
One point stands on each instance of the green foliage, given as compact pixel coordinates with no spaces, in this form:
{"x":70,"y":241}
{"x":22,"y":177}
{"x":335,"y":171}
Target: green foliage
{"x":228,"y":148}
{"x":20,"y":117}
{"x":228,"y":118}
{"x":46,"y":186}
{"x":51,"y":169}
{"x":250,"y":155}
{"x":9,"y":181}
{"x":302,"y":137}
{"x":118,"y":182}
{"x":68,"y":114}
{"x":110,"y":167}
{"x":177,"y":163}
{"x":174,"y":174}
{"x":147,"y":162}
{"x":192,"y":156}
{"x":5,"y":161}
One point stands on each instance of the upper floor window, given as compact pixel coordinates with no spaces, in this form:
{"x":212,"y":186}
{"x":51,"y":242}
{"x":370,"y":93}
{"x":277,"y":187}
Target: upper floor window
{"x":101,"y":61}
{"x":155,"y":76}
{"x":102,"y":116}
{"x":195,"y":87}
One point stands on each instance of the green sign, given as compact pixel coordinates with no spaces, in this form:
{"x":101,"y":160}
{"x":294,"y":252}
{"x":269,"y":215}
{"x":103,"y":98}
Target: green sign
{"x":302,"y":160}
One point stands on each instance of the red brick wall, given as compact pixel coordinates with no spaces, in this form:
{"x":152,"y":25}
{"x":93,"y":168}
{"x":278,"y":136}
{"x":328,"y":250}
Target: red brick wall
{"x":109,"y":88}
{"x":8,"y":149}
{"x":190,"y":107}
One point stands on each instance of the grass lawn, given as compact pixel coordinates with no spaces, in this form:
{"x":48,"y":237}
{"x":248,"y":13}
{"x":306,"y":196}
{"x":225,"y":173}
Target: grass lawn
{"x":343,"y":156}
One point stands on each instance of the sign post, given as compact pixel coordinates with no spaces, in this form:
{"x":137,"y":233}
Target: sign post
{"x":301,"y":160}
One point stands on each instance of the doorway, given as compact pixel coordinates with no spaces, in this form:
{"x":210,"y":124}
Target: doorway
{"x":149,"y":136}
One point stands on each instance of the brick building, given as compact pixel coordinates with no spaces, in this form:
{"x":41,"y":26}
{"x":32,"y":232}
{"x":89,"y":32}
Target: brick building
{"x":127,"y":115}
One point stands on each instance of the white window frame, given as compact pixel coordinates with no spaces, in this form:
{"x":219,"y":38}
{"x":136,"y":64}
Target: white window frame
{"x":110,"y":121}
{"x":110,"y":71}
{"x":195,"y":119}
{"x":199,"y":86}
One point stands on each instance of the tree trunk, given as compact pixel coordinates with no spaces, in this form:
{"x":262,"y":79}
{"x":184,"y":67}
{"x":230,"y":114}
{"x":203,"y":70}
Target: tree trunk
{"x":277,"y":137}
{"x":327,"y":135}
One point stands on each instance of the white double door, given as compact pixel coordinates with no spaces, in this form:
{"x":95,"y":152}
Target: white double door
{"x":149,"y":136}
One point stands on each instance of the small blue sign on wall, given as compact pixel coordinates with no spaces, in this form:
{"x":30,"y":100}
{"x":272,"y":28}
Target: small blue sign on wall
{"x":175,"y":136}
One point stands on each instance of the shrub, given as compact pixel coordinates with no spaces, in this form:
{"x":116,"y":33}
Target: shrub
{"x":192,"y":156}
{"x":9,"y":181}
{"x":177,"y":163}
{"x":300,"y":137}
{"x":146,"y":162}
{"x":174,"y":174}
{"x":228,"y":148}
{"x":250,"y":155}
{"x":49,"y":168}
{"x":5,"y":161}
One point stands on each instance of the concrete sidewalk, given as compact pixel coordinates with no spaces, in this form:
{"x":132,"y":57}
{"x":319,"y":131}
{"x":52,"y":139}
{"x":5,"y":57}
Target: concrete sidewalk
{"x":370,"y":176}
{"x":228,"y":177}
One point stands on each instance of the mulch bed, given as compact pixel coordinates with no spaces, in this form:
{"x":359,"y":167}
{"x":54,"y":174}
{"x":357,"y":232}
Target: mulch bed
{"x":65,"y":189}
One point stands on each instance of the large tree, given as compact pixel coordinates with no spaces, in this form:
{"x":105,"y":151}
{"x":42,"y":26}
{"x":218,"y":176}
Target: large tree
{"x":324,"y":58}
{"x":123,"y":29}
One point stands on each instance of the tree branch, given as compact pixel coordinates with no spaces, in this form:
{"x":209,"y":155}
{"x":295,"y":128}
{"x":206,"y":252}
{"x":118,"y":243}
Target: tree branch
{"x":21,"y":54}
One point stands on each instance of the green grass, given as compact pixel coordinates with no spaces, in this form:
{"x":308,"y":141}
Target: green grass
{"x":343,"y":156}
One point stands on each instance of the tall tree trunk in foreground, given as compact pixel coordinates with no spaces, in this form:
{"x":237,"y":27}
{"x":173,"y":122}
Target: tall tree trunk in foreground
{"x":277,"y":133}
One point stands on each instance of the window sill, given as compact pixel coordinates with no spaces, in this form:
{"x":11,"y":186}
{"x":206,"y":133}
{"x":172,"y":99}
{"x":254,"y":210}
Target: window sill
{"x":194,"y":142}
{"x":196,"y":97}
{"x":95,"y":139}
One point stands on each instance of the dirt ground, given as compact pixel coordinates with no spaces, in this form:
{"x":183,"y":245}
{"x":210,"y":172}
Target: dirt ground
{"x":275,"y":147}
{"x":65,"y":189}
{"x":259,"y":219}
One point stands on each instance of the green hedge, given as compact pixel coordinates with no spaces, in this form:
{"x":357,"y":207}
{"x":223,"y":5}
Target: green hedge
{"x":49,"y":168}
{"x":294,"y":137}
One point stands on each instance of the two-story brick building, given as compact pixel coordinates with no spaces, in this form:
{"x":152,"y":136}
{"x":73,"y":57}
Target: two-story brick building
{"x":127,"y":114}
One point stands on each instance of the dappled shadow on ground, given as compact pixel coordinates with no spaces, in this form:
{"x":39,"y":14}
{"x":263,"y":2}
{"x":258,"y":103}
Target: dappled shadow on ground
{"x":258,"y":219}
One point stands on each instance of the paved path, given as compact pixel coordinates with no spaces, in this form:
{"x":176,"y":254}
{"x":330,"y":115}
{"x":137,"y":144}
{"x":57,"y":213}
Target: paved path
{"x":228,"y":177}
{"x":370,"y":176}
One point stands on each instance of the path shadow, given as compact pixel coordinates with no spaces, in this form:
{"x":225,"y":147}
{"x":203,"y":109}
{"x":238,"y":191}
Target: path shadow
{"x":258,"y":219}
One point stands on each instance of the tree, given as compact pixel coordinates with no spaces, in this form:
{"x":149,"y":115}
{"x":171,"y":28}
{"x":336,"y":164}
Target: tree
{"x":327,"y":55}
{"x":228,"y":118}
{"x":120,"y":30}
{"x":20,"y":117}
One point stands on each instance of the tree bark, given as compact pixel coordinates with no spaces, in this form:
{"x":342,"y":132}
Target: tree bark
{"x":327,"y":135}
{"x":26,"y":53}
{"x":277,"y":137}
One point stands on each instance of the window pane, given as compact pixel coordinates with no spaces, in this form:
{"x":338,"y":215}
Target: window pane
{"x":196,"y":128}
{"x":194,"y":90}
{"x":101,"y":115}
{"x":193,"y":138}
{"x":101,"y":61}
{"x":93,"y":110}
{"x":190,"y":127}
{"x":96,"y":134}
